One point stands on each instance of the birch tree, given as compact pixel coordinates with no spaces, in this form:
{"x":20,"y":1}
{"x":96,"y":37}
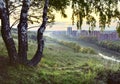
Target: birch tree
{"x":21,"y":56}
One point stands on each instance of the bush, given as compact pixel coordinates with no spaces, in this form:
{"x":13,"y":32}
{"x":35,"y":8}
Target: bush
{"x":89,"y":39}
{"x":77,"y":48}
{"x":110,"y":45}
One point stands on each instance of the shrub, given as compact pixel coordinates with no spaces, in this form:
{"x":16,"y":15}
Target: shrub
{"x":77,"y":48}
{"x":110,"y":45}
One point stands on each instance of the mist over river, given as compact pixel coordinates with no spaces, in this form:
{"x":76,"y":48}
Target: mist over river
{"x":104,"y":53}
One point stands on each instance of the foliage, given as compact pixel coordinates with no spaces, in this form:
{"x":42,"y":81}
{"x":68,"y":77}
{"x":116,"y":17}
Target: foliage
{"x":110,"y":45}
{"x":78,"y":48}
{"x":104,"y":9}
{"x":82,"y":9}
{"x":89,"y":39}
{"x":35,"y":13}
{"x":118,"y":29}
{"x":61,"y":6}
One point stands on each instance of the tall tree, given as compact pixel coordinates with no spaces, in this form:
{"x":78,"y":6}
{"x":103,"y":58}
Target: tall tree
{"x":7,"y":7}
{"x":22,"y":34}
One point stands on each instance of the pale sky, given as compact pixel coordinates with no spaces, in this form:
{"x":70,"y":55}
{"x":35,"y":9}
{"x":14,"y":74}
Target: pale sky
{"x":62,"y":23}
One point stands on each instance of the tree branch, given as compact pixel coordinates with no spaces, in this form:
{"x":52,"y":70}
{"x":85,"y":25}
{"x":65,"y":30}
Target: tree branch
{"x":37,"y":57}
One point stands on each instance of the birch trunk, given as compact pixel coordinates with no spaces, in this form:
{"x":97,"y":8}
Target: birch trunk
{"x":6,"y":33}
{"x":37,"y":57}
{"x":22,"y":32}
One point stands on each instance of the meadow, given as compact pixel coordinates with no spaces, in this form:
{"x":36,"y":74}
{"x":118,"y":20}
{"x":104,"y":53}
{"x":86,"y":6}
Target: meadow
{"x":60,"y":65}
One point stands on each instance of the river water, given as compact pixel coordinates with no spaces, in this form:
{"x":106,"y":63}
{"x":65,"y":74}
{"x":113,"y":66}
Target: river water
{"x":109,"y":58}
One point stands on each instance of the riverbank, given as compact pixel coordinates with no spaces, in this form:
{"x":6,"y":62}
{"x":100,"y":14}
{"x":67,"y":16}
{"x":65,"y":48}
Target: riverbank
{"x":83,"y":43}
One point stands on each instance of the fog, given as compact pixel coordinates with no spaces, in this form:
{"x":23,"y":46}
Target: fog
{"x":104,"y":53}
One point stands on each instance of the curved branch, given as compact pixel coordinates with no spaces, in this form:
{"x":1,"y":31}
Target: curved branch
{"x":37,"y":57}
{"x":14,"y":23}
{"x":33,"y":27}
{"x":15,"y":7}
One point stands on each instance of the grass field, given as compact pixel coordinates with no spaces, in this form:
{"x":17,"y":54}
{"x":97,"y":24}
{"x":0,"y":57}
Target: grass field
{"x":59,"y":65}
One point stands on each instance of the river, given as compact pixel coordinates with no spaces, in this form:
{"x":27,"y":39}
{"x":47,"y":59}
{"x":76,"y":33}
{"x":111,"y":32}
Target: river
{"x":104,"y":53}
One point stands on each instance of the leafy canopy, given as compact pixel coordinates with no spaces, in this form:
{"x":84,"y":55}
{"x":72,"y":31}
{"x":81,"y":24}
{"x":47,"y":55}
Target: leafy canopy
{"x":104,"y":9}
{"x":82,"y":9}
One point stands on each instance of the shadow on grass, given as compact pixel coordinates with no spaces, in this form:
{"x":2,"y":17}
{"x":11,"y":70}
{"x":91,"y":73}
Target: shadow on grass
{"x":4,"y":63}
{"x":23,"y":75}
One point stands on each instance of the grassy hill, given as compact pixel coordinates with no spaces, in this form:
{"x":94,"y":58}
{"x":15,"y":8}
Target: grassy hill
{"x":59,"y":65}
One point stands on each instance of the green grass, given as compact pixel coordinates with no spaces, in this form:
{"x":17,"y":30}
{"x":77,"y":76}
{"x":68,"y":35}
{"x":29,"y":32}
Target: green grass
{"x":59,"y":65}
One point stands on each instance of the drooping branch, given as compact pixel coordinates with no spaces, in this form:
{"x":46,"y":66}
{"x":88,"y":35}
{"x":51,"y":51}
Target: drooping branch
{"x":33,"y":27}
{"x":37,"y":57}
{"x":105,"y":10}
{"x":12,"y":10}
{"x":6,"y":33}
{"x":14,"y":23}
{"x":22,"y":32}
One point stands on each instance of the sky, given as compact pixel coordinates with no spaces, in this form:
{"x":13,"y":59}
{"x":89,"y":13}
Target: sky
{"x":62,"y":23}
